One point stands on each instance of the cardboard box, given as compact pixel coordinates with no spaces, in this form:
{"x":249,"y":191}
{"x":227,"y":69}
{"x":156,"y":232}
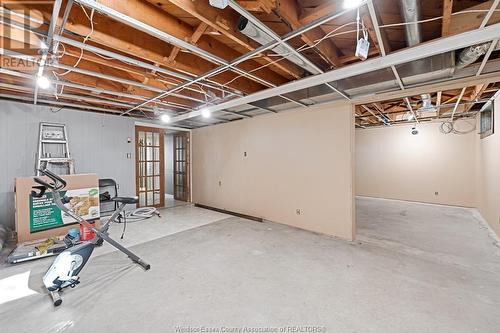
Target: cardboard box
{"x":39,"y":218}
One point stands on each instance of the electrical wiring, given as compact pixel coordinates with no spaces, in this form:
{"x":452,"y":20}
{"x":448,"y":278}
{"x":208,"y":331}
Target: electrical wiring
{"x":329,"y":35}
{"x":301,"y":49}
{"x":435,"y":18}
{"x":449,"y":127}
{"x":304,"y":47}
{"x":91,"y":19}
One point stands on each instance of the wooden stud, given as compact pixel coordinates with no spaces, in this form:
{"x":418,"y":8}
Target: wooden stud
{"x":447,"y":10}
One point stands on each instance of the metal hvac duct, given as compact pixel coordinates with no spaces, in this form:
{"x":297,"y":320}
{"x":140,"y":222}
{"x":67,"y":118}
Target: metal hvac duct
{"x":470,"y":54}
{"x":411,"y":13}
{"x":250,"y":30}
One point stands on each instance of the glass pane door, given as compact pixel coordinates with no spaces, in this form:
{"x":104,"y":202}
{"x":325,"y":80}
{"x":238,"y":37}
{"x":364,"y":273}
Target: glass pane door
{"x":181,"y":166}
{"x":150,"y":166}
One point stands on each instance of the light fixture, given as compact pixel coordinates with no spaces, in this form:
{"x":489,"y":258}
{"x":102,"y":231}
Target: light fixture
{"x":221,"y":4}
{"x":349,"y":4}
{"x":206,"y":113}
{"x":43,"y":82}
{"x":414,"y":130}
{"x":43,"y":46}
{"x":165,"y":118}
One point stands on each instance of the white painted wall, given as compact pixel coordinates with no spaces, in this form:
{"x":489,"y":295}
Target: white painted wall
{"x":295,"y":160}
{"x":392,"y":163}
{"x":488,"y":174}
{"x":98,"y":144}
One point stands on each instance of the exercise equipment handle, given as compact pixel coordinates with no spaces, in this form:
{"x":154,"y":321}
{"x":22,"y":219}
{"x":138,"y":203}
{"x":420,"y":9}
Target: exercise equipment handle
{"x":44,"y":183}
{"x":144,"y":265}
{"x":53,"y":176}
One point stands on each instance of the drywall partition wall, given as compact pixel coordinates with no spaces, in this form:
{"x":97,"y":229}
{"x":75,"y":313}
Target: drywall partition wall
{"x":392,"y":163}
{"x":273,"y":165}
{"x":488,"y":174}
{"x":97,"y":142}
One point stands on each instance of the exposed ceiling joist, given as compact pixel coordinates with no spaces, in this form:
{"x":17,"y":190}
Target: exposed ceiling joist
{"x":447,"y":10}
{"x":225,"y":21}
{"x":289,"y":10}
{"x":406,"y":55}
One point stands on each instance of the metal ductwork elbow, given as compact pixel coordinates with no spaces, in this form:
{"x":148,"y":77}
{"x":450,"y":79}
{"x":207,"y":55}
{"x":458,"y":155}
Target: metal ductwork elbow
{"x":427,"y":105}
{"x":252,"y":31}
{"x":469,"y":55}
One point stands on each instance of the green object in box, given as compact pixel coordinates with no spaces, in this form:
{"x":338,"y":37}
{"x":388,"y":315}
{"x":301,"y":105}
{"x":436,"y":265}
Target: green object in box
{"x":45,"y":215}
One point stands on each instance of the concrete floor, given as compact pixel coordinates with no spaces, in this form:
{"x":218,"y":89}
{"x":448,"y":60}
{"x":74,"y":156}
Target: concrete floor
{"x":414,"y":268}
{"x":170,"y":202}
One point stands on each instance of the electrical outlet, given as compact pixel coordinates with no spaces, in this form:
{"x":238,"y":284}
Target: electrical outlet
{"x":299,"y":211}
{"x":220,"y":183}
{"x":436,"y":193}
{"x":245,"y":154}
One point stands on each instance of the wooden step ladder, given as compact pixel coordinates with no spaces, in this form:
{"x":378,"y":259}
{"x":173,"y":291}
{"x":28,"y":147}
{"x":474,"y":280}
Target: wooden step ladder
{"x":53,"y":150}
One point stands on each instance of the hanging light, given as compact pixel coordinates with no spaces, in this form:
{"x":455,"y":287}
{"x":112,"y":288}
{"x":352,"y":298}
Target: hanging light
{"x":349,"y":4}
{"x":165,"y":118}
{"x":206,"y":113}
{"x":43,"y":82}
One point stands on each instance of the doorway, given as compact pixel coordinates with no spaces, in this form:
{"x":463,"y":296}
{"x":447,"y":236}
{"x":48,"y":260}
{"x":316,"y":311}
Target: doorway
{"x":150,"y":166}
{"x":177,"y":168}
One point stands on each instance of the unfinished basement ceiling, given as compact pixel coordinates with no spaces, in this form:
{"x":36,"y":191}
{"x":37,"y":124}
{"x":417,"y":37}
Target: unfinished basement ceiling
{"x":142,"y":59}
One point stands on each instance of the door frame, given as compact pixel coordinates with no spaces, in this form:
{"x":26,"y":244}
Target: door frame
{"x":187,"y":161}
{"x":179,"y":129}
{"x":138,"y":129}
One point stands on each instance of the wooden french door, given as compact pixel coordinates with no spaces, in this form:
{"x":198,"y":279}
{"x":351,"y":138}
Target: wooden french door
{"x":149,"y":166}
{"x":181,"y":166}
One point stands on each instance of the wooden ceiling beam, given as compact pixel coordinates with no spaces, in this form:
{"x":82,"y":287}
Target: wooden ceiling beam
{"x":200,"y":30}
{"x":471,"y":21}
{"x":111,"y":34}
{"x":447,"y":10}
{"x":289,"y":10}
{"x":225,"y":21}
{"x":162,"y":20}
{"x":476,"y":94}
{"x":328,"y":7}
{"x":265,"y":6}
{"x":438,"y":103}
{"x":188,"y":63}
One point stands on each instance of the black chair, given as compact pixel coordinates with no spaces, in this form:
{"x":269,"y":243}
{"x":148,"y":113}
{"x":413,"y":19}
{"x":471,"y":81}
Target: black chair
{"x":108,"y":190}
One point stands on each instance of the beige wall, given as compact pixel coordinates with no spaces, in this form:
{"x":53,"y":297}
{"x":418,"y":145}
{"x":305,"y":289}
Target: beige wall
{"x":488,"y":175}
{"x":392,"y":163}
{"x":295,"y":160}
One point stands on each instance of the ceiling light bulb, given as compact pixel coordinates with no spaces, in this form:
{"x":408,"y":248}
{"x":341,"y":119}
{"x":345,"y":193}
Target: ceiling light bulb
{"x":43,"y":82}
{"x":206,"y":113}
{"x":349,"y":4}
{"x":165,"y":118}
